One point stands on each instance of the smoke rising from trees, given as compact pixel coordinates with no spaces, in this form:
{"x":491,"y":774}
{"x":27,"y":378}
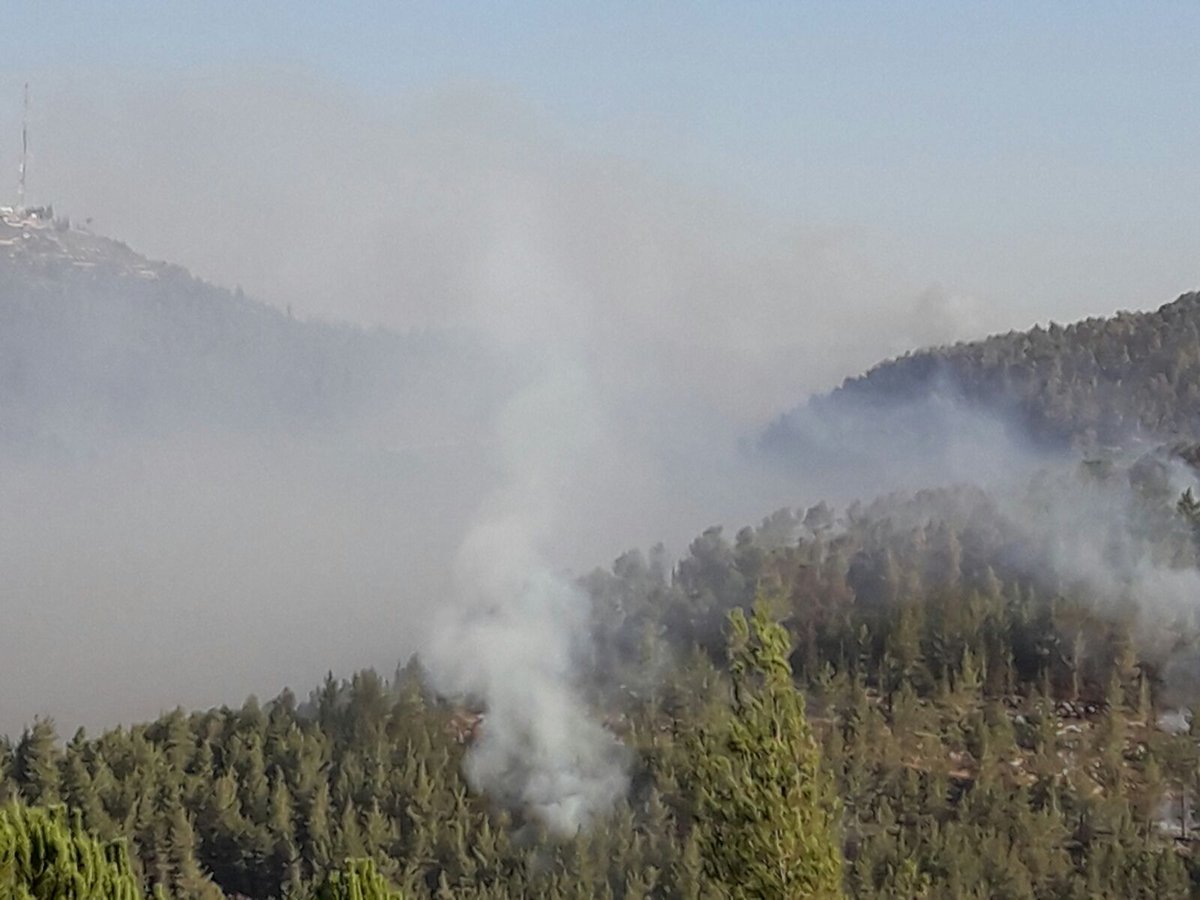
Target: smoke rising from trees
{"x":249,"y":563}
{"x":633,"y":331}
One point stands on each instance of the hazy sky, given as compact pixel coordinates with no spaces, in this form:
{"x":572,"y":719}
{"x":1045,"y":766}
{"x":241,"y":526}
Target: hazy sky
{"x":1036,"y":156}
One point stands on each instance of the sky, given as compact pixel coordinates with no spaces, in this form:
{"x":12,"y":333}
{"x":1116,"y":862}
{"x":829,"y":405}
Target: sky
{"x":1035,"y":157}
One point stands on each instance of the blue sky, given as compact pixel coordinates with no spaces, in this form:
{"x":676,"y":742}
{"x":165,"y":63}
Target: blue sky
{"x":1016,"y":150}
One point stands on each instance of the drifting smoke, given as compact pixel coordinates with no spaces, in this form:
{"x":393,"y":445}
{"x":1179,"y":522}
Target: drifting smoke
{"x":516,"y":628}
{"x":855,"y":447}
{"x":385,"y":212}
{"x":650,"y":326}
{"x":1104,"y":532}
{"x":516,"y":631}
{"x":1110,"y":532}
{"x":517,"y":639}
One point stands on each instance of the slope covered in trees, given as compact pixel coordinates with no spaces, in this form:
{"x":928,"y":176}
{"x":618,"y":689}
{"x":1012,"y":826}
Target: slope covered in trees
{"x":1098,"y":382}
{"x":986,"y":716}
{"x":360,"y":793}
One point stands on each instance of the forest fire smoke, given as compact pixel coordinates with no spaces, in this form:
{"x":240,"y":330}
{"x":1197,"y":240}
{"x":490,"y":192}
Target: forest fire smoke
{"x":537,"y":751}
{"x":513,"y":636}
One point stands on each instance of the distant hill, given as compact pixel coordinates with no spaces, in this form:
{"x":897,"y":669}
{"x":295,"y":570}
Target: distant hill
{"x":1102,"y":382}
{"x":97,"y":341}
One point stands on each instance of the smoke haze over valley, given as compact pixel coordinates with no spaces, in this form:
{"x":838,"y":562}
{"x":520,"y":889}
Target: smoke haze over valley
{"x":223,"y":490}
{"x":508,"y":256}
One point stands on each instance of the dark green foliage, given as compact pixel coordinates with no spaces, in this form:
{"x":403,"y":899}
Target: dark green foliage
{"x":36,"y":763}
{"x":989,"y":723}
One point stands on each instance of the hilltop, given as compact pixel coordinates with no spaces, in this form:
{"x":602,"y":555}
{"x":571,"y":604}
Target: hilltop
{"x":97,"y":341}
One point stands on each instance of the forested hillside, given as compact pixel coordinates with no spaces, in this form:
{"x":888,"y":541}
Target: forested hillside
{"x":938,"y":693}
{"x":992,"y":724}
{"x":1099,"y":382}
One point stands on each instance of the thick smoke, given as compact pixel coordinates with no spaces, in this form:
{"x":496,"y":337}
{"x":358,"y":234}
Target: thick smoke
{"x":516,"y":629}
{"x":195,"y":570}
{"x":1104,"y":531}
{"x":384,"y":211}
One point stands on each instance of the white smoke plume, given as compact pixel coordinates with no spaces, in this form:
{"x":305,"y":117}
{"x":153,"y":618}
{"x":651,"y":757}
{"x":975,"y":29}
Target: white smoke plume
{"x":516,"y":628}
{"x":513,"y":635}
{"x":511,"y":641}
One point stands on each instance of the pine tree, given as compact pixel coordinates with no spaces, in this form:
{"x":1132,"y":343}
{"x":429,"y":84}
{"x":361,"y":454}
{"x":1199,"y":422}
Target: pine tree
{"x":37,"y":759}
{"x":43,"y":857}
{"x":318,"y":843}
{"x":81,"y":791}
{"x":690,"y":880}
{"x":8,"y":790}
{"x":767,"y":815}
{"x":186,"y":877}
{"x":357,"y":880}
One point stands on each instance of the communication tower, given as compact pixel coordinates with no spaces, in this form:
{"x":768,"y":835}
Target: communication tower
{"x":24,"y":150}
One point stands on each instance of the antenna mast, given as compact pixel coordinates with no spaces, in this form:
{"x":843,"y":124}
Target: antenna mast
{"x":24,"y":150}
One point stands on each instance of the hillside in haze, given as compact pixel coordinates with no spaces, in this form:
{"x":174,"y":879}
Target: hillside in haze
{"x":593,"y":452}
{"x":177,"y":455}
{"x":98,"y":342}
{"x":1102,"y":382}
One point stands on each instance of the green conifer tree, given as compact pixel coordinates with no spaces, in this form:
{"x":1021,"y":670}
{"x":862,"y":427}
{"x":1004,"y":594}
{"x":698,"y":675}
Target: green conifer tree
{"x":44,"y":857}
{"x":767,"y":815}
{"x":357,"y":880}
{"x":37,"y":759}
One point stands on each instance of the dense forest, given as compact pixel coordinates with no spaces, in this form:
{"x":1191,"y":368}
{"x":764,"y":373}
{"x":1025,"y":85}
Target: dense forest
{"x":1101,"y":382}
{"x":944,"y":712}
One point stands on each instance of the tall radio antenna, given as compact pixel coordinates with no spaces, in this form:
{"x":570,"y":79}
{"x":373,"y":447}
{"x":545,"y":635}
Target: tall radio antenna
{"x":24,"y":150}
